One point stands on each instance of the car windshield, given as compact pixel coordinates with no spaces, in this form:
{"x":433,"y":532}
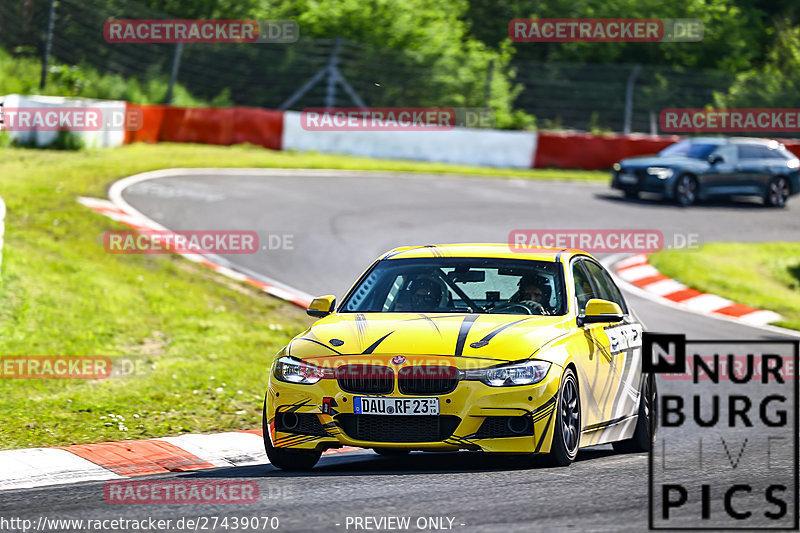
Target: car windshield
{"x":460,"y":285}
{"x":689,"y":148}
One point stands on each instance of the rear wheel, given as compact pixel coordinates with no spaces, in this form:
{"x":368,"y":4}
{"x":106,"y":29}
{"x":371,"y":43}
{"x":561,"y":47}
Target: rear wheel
{"x":287,"y":458}
{"x":644,"y":436}
{"x":777,"y":192}
{"x":686,"y":190}
{"x":567,"y":429}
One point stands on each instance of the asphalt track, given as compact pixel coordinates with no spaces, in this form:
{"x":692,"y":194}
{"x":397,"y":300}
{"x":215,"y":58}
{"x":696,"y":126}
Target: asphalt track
{"x":338,"y":222}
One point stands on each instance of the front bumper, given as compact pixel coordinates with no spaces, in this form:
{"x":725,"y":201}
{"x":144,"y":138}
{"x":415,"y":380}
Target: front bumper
{"x":474,"y":416}
{"x":644,"y":182}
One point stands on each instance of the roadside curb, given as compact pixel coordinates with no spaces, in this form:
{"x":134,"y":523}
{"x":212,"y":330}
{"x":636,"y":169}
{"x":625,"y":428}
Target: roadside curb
{"x":39,"y":467}
{"x":637,"y":271}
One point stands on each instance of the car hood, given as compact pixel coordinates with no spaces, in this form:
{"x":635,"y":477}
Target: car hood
{"x":485,"y":336}
{"x":658,"y":161}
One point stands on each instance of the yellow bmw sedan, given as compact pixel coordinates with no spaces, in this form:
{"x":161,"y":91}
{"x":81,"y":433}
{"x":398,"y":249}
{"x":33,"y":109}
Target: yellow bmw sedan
{"x":465,"y":347}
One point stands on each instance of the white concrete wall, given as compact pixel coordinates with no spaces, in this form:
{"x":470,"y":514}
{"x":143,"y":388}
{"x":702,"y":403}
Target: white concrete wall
{"x":109,"y":136}
{"x":458,"y":145}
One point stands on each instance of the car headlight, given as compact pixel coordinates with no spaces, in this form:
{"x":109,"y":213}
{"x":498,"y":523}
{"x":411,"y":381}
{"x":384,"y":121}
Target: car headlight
{"x":793,"y":163}
{"x":527,"y":373}
{"x":661,"y":173}
{"x":617,"y":167}
{"x":293,"y":370}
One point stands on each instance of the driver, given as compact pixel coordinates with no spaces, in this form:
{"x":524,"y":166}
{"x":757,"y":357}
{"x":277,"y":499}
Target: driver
{"x":531,"y":290}
{"x":424,"y":294}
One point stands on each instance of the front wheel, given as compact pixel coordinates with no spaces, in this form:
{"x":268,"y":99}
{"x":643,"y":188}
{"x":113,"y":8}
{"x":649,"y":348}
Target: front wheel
{"x":567,"y":430}
{"x":686,"y":190}
{"x":644,"y":436}
{"x":777,"y":192}
{"x":287,"y":458}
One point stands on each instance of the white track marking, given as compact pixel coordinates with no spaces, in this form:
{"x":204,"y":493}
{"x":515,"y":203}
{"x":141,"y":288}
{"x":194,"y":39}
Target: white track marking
{"x":223,"y":449}
{"x":35,"y":467}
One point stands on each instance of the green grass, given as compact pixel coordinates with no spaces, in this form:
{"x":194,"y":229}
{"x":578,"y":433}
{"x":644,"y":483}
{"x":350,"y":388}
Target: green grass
{"x":205,"y":341}
{"x":20,"y":74}
{"x":764,"y":275}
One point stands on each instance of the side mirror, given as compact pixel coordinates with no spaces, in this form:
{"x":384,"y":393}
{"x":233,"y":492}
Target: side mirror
{"x":322,"y":306}
{"x":715,"y":158}
{"x":598,"y":311}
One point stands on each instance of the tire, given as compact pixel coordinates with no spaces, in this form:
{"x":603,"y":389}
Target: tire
{"x":686,"y":190}
{"x":777,"y":192}
{"x":644,"y":436}
{"x":391,"y":452}
{"x":287,"y":458}
{"x":567,"y":427}
{"x":632,"y":195}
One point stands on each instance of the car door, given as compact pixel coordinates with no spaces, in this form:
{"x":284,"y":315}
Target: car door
{"x":623,"y":341}
{"x":595,"y":372}
{"x":723,"y":174}
{"x":754,"y":174}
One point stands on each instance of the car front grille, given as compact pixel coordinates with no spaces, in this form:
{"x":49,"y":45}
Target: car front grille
{"x":505,"y":426}
{"x":398,"y":428}
{"x":365,"y":379}
{"x":427,"y":379}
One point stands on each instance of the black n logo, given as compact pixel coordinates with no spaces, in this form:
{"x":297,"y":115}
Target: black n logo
{"x":663,"y":353}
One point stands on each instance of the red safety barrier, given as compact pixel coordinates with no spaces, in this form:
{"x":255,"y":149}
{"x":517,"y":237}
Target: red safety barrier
{"x":593,"y":152}
{"x":254,"y":125}
{"x":143,"y":123}
{"x":792,"y":146}
{"x":207,"y":125}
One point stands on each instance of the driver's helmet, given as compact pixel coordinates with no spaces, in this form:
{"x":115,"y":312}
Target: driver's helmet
{"x":427,"y":293}
{"x":533,"y":287}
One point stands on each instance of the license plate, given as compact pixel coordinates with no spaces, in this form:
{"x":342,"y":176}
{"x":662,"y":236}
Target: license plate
{"x":627,"y":178}
{"x":369,"y":405}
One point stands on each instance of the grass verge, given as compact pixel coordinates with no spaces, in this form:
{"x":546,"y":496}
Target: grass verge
{"x":763,"y":275}
{"x":205,"y":341}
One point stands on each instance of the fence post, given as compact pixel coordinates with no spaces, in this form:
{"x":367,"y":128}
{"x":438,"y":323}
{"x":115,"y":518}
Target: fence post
{"x":629,"y":98}
{"x":176,"y":65}
{"x":330,"y":91}
{"x":487,"y":92}
{"x":331,"y":70}
{"x":48,"y":44}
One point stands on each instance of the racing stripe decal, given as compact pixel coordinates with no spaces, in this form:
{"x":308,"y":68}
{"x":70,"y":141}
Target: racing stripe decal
{"x":543,"y":410}
{"x":375,"y":344}
{"x":430,"y":321}
{"x":337,"y":352}
{"x":489,"y":336}
{"x":469,"y":320}
{"x":544,"y":432}
{"x":361,"y":327}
